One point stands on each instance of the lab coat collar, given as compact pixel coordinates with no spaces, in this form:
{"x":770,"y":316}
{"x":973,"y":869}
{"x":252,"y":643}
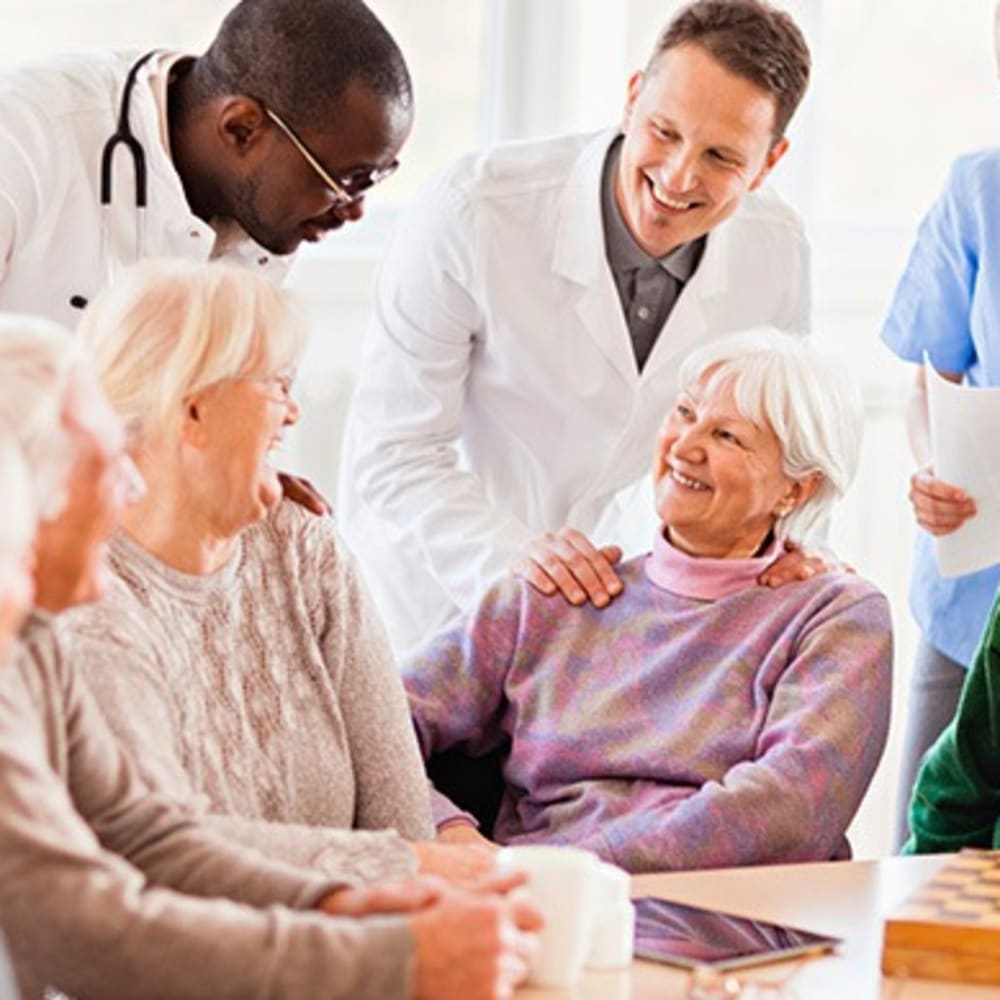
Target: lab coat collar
{"x":579,"y":244}
{"x":687,"y":327}
{"x":579,"y":256}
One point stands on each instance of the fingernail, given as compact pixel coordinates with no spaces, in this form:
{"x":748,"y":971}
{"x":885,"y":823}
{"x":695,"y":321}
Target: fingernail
{"x":600,"y":602}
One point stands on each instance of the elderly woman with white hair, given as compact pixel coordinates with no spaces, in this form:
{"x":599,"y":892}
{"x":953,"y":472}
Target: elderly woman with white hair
{"x":700,"y":720}
{"x":237,"y":654}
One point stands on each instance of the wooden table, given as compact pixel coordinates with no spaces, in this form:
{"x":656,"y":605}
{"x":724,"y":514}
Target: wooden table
{"x":848,"y":899}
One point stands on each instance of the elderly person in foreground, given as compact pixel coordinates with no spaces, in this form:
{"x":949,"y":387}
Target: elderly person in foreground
{"x":110,"y":889}
{"x":700,"y":720}
{"x":236,"y":653}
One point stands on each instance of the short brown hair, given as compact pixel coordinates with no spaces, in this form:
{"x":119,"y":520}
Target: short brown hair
{"x":751,"y":39}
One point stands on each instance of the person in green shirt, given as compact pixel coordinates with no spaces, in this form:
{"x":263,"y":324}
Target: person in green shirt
{"x":956,"y":800}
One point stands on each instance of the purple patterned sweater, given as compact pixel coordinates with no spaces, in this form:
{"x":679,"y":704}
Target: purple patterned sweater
{"x":699,"y":721}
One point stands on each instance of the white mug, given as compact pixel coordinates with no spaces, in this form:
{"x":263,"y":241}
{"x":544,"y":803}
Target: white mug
{"x":563,"y":882}
{"x":613,"y":921}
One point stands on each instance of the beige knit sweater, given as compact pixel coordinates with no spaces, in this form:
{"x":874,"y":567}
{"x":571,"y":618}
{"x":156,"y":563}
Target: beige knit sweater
{"x":264,"y":696}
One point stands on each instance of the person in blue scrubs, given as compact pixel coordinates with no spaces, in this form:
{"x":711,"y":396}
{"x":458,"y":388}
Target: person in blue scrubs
{"x":947,"y":303}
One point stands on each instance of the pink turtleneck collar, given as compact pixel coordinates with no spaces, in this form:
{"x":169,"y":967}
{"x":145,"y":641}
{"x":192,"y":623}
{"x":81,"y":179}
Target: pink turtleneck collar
{"x":702,"y":578}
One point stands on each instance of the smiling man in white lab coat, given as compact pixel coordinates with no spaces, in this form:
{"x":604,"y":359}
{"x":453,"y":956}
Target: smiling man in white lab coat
{"x":269,"y":138}
{"x":534,"y":306}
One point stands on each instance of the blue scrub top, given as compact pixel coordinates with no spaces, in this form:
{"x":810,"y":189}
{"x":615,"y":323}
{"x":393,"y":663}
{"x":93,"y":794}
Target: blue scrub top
{"x":948,"y":303}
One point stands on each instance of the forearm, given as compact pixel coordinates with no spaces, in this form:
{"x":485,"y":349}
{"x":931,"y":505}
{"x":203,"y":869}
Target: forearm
{"x":175,"y":849}
{"x":752,"y":817}
{"x":91,"y":924}
{"x":351,"y":857}
{"x":95,"y":929}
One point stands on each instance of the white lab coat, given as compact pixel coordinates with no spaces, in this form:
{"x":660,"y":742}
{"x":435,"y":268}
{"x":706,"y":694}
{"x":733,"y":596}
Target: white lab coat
{"x":499,"y":395}
{"x":54,"y":120}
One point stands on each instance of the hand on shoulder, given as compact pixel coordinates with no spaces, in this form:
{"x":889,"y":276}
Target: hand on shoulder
{"x":568,"y":563}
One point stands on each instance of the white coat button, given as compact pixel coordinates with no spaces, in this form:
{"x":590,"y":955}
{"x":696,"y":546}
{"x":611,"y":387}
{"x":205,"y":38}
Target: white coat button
{"x":194,"y":234}
{"x":643,"y":312}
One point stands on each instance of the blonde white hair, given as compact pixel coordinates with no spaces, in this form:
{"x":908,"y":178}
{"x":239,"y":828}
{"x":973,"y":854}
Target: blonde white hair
{"x":167,"y":329}
{"x":19,"y":505}
{"x":805,"y":397}
{"x":38,"y":361}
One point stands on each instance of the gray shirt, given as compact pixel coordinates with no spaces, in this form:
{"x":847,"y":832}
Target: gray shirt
{"x":109,"y":890}
{"x":648,"y":287}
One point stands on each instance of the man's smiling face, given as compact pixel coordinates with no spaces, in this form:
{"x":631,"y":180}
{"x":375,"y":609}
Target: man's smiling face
{"x":698,"y":138}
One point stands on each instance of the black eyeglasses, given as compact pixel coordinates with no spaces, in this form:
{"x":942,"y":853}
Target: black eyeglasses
{"x":348,"y":187}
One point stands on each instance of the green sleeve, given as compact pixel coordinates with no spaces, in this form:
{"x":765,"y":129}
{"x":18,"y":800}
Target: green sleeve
{"x":956,"y":800}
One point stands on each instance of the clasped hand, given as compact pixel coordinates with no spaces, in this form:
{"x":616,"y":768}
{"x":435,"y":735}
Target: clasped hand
{"x":939,"y":507}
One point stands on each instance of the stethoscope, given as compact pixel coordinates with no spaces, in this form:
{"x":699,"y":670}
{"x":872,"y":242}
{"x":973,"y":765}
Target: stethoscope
{"x":122,"y":136}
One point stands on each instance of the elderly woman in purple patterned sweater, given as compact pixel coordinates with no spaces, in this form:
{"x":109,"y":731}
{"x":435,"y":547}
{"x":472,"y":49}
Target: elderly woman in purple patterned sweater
{"x":700,"y":720}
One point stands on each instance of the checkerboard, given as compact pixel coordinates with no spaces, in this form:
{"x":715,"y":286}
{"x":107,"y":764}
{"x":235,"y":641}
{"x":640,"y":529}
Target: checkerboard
{"x":949,"y":928}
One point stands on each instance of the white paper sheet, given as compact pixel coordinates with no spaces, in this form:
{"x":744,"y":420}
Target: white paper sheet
{"x":965,"y":451}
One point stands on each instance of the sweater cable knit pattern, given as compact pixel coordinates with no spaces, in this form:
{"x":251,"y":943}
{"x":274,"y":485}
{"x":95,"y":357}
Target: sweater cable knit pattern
{"x":263,"y":696}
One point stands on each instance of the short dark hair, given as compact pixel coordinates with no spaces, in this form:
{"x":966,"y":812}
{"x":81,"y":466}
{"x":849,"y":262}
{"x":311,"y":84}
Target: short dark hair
{"x":300,"y":56}
{"x":752,"y":40}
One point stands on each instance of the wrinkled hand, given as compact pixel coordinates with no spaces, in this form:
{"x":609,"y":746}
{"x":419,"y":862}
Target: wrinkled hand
{"x":302,"y":492}
{"x":800,"y":564}
{"x":567,"y":562}
{"x":475,"y":946}
{"x":464,"y":833}
{"x":406,"y":896}
{"x":939,"y":507}
{"x":460,"y":862}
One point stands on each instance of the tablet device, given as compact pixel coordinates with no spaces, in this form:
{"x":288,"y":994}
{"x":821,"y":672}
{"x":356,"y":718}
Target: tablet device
{"x":691,"y":936}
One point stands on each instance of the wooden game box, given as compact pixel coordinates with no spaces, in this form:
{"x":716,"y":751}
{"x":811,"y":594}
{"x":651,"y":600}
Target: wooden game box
{"x":950,"y":928}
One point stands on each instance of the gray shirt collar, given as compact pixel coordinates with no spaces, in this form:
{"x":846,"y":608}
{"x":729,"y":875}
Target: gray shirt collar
{"x":620,"y":247}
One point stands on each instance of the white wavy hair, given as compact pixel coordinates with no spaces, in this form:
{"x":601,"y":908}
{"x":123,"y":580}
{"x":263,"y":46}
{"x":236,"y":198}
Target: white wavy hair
{"x":167,"y":329}
{"x":19,"y":506}
{"x":808,"y":400}
{"x":38,"y":359}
